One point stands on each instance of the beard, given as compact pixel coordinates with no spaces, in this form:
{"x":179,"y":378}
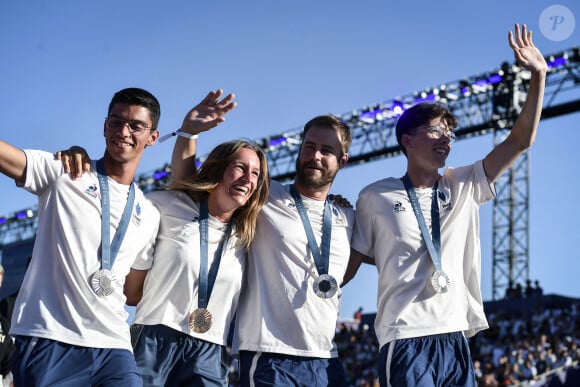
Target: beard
{"x":308,"y":180}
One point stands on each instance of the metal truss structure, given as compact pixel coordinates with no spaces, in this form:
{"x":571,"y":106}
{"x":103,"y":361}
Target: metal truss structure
{"x":487,"y":103}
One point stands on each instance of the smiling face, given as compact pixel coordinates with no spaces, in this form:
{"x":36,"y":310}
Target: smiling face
{"x":320,"y":158}
{"x":238,"y":183}
{"x":424,"y":149}
{"x":124,"y":145}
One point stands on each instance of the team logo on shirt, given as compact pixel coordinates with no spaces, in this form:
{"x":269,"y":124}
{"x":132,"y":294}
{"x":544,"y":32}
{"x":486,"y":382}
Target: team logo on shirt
{"x":92,"y":191}
{"x":445,"y":202}
{"x":137,"y":215}
{"x":334,"y":211}
{"x":336,"y":215}
{"x":399,"y":207}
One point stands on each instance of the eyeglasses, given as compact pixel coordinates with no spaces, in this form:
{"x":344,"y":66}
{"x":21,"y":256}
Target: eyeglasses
{"x":436,"y":131}
{"x":116,"y":123}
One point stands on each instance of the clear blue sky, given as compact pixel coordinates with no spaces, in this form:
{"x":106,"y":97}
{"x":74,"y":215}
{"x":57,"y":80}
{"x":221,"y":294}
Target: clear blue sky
{"x":286,"y":62}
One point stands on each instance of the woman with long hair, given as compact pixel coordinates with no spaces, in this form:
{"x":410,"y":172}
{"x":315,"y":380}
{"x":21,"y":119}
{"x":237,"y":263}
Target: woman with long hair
{"x":190,"y":292}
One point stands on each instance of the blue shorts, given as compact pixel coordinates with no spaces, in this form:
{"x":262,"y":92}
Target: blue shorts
{"x":166,"y":357}
{"x":43,"y":362}
{"x":438,"y":360}
{"x":261,"y":369}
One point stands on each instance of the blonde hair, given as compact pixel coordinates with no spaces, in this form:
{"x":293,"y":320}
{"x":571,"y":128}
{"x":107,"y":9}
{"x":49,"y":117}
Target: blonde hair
{"x":200,"y":185}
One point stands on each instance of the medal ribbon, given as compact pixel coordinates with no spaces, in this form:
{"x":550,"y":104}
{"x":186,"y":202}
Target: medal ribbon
{"x":109,"y":249}
{"x":207,"y":280}
{"x":433,"y":242}
{"x":321,"y":256}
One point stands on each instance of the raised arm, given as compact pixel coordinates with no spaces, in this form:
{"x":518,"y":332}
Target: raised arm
{"x":523,"y":133}
{"x":12,"y":162}
{"x":206,"y":115}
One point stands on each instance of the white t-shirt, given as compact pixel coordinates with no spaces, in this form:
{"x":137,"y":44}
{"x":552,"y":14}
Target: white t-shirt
{"x":386,"y":228}
{"x":170,"y":292}
{"x":56,"y":300}
{"x":279,"y":311}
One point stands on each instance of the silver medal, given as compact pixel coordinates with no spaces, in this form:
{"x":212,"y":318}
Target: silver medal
{"x":440,"y":281}
{"x":200,"y":320}
{"x":102,"y":282}
{"x":325,"y":286}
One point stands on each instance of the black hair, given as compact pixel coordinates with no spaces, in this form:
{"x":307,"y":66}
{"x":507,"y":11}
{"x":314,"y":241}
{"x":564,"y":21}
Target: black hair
{"x":140,"y":97}
{"x":421,"y":114}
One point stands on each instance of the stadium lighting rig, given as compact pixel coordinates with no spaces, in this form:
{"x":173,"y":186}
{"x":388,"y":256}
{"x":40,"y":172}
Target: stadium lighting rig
{"x":476,"y":101}
{"x":486,"y":103}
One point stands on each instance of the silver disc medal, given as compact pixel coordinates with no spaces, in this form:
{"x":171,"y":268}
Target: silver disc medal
{"x":102,"y":282}
{"x":200,"y":320}
{"x":440,"y":281}
{"x":325,"y":286}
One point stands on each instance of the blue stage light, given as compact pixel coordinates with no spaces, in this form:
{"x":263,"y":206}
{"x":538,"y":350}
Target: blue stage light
{"x":426,"y":96}
{"x":555,"y":62}
{"x":24,"y":214}
{"x":495,"y":78}
{"x":277,"y":141}
{"x":160,"y":175}
{"x":398,"y":108}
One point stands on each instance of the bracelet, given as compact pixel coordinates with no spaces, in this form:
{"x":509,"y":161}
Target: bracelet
{"x":180,"y":134}
{"x":187,"y":135}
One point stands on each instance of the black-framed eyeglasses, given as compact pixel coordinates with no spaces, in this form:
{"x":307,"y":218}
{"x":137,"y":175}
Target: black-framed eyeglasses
{"x":117,"y":123}
{"x":437,"y":131}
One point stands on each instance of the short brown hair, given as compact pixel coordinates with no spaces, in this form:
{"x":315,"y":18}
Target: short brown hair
{"x":332,"y":122}
{"x":421,"y":114}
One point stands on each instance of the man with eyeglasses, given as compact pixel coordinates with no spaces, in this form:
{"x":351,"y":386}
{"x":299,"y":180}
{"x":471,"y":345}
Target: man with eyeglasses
{"x":69,"y":318}
{"x":422,"y":232}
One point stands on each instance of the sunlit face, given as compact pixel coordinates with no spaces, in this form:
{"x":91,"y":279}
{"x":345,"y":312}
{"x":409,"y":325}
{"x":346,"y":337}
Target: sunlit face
{"x":428,"y":147}
{"x":320,"y":158}
{"x":123,"y":143}
{"x":240,"y":179}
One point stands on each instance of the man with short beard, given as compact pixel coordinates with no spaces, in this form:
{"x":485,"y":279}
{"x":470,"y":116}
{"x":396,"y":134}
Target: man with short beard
{"x":289,"y":303}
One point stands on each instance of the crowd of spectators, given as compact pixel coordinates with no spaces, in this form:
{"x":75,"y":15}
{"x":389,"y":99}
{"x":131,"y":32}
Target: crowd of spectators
{"x":515,"y":291}
{"x":521,"y":345}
